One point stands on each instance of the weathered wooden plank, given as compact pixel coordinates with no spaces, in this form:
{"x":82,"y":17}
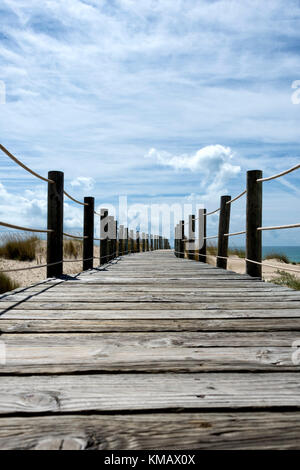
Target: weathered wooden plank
{"x":190,"y":297}
{"x":205,"y":431}
{"x":151,"y":341}
{"x":88,"y":326}
{"x":185,"y":352}
{"x":115,"y":392}
{"x":130,"y":359}
{"x":202,"y":288}
{"x":123,"y":310}
{"x":155,"y":278}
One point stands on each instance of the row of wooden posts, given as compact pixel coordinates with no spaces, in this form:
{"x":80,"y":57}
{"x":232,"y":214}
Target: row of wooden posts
{"x":119,"y":242}
{"x":252,"y":231}
{"x":114,"y":241}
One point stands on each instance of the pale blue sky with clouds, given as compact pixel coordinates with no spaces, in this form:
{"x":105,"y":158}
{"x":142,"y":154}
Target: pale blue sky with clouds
{"x":155,"y":99}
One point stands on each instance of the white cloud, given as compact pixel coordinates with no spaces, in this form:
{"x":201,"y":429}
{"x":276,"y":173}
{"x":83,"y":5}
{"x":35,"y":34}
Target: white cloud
{"x":112,"y":79}
{"x":83,"y":182}
{"x":210,"y":159}
{"x":214,"y":163}
{"x":30,"y":210}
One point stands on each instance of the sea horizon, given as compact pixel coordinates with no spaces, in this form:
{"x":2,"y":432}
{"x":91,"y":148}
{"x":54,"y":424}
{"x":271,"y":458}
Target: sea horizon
{"x":292,"y":252}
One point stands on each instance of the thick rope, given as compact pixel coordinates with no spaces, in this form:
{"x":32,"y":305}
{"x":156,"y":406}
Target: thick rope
{"x":237,"y":197}
{"x":75,"y":200}
{"x":279,"y":227}
{"x":25,"y":229}
{"x":74,"y":236}
{"x":29,"y":267}
{"x":283,"y":268}
{"x":235,"y":233}
{"x":12,"y":157}
{"x":269,"y":178}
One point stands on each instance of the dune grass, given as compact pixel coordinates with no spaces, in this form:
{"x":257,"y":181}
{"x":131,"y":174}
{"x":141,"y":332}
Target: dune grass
{"x":72,"y":249}
{"x":240,"y":252}
{"x":211,"y":249}
{"x":6,"y":284}
{"x":19,"y":247}
{"x":278,"y":256}
{"x":286,"y":279}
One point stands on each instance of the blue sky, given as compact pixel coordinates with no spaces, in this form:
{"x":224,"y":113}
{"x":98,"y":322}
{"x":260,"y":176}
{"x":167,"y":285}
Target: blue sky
{"x":154,"y":99}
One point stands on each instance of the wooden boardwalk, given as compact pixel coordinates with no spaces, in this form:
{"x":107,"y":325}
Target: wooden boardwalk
{"x":152,"y":352}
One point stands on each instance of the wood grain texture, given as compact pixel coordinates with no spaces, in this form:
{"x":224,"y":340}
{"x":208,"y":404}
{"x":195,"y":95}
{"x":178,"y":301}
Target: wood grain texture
{"x":71,"y":325}
{"x":132,"y":392}
{"x":150,"y":351}
{"x":206,"y":431}
{"x":184,"y":352}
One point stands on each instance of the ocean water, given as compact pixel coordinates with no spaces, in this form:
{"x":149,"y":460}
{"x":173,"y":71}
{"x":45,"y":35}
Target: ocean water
{"x":292,"y":252}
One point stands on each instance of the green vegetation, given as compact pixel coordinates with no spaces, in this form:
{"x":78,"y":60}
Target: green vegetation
{"x":6,"y":284}
{"x":286,"y":279}
{"x":240,"y":252}
{"x":277,"y":256}
{"x":19,"y":247}
{"x":212,"y":250}
{"x":72,"y":249}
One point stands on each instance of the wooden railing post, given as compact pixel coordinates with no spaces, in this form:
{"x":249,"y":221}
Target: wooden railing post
{"x":116,"y":239}
{"x":121,"y":240}
{"x":55,"y":223}
{"x":143,"y":241}
{"x":138,"y":242}
{"x":147,"y":241}
{"x":151,"y":242}
{"x":203,"y":231}
{"x":111,"y":229}
{"x":224,"y":223}
{"x":191,"y":240}
{"x":175,"y":240}
{"x":253,"y":221}
{"x":131,"y":241}
{"x":181,"y":239}
{"x":88,"y":231}
{"x":126,"y":241}
{"x":103,"y":236}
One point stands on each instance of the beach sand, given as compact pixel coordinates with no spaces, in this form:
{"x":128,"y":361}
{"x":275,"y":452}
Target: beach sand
{"x":33,"y":276}
{"x":237,"y":265}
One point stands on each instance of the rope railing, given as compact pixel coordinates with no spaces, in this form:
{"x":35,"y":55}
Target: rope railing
{"x":237,"y":197}
{"x":25,"y":229}
{"x":279,"y":227}
{"x":75,"y":200}
{"x":213,"y":212}
{"x":253,"y":231}
{"x":284,"y":268}
{"x":234,"y":233}
{"x":18,"y":162}
{"x":269,"y":178}
{"x":79,"y":237}
{"x":38,"y":266}
{"x":111,"y":246}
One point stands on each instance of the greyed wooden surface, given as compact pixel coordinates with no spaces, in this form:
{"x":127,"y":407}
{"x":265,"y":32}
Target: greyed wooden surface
{"x":153,"y":334}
